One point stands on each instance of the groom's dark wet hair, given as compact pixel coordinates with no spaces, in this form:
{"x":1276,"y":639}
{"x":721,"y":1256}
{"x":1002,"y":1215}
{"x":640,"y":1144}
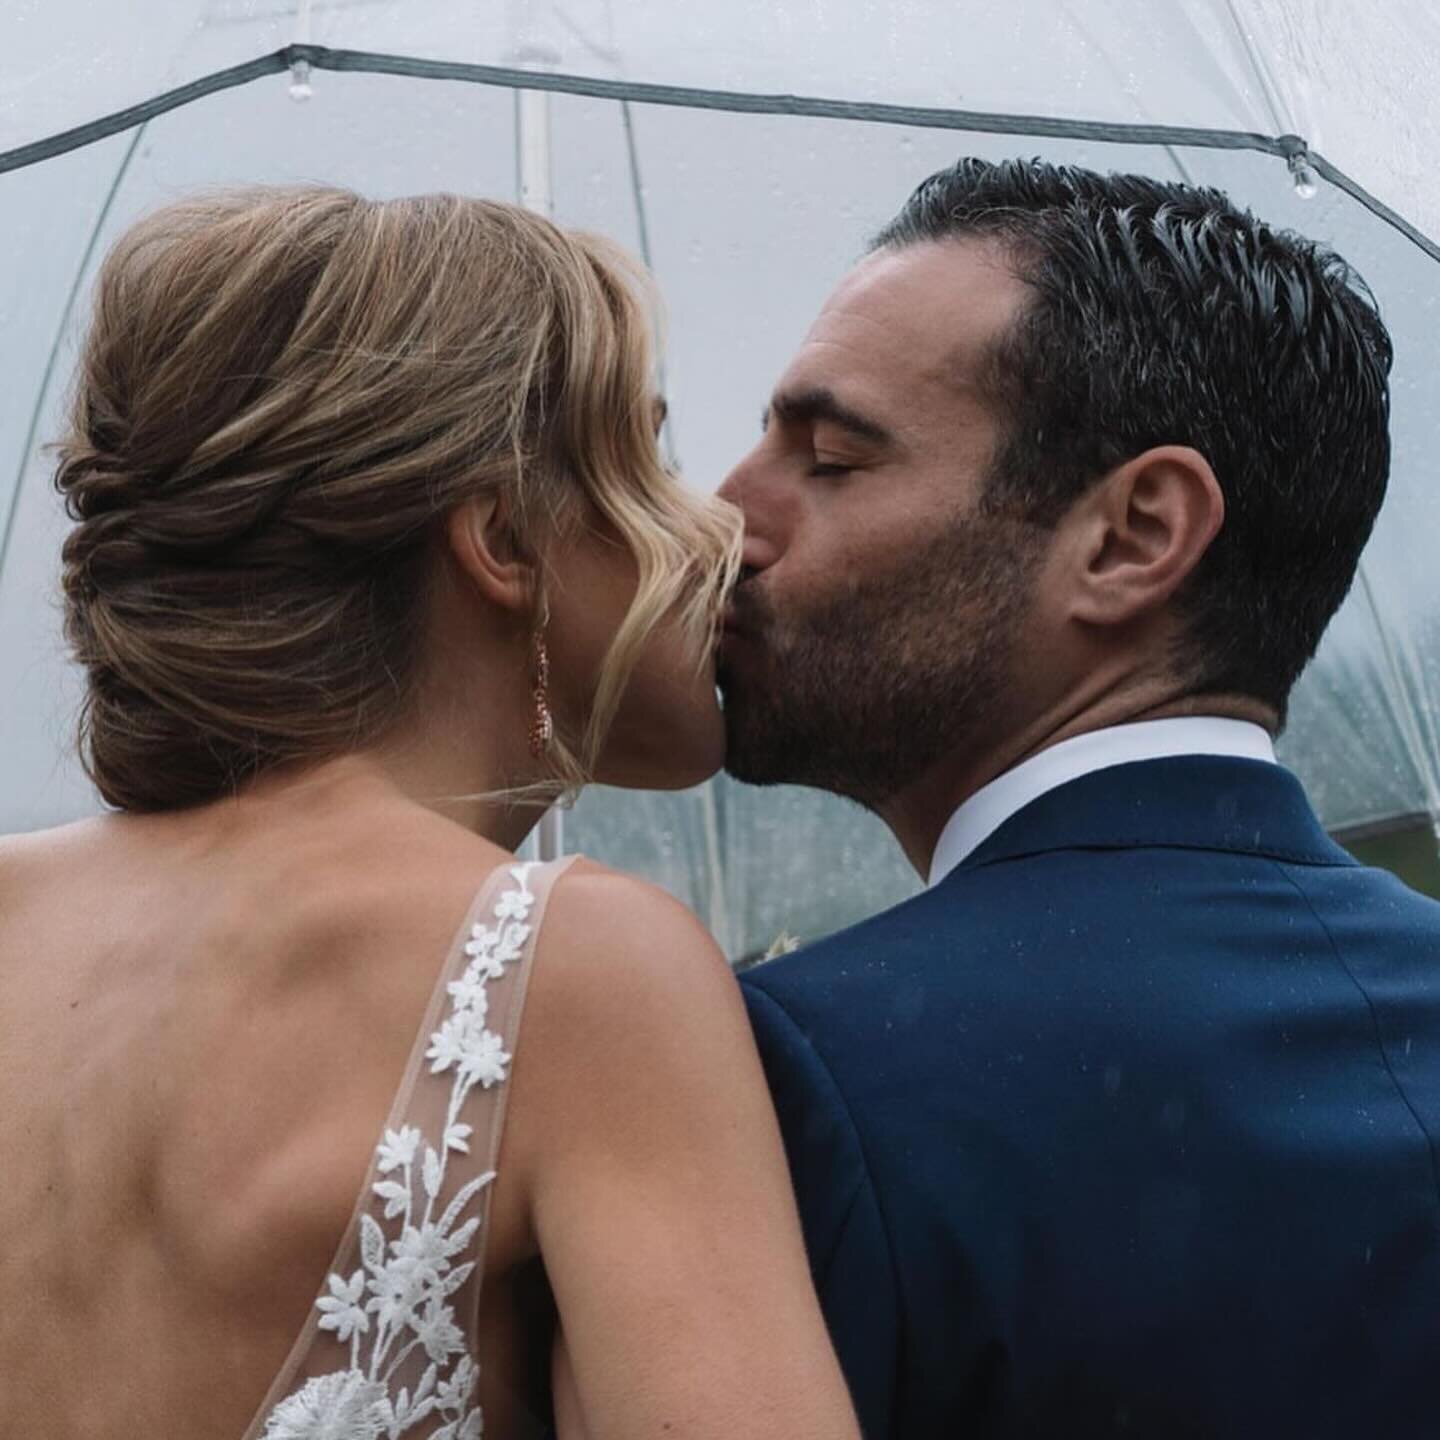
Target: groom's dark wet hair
{"x":1163,"y":314}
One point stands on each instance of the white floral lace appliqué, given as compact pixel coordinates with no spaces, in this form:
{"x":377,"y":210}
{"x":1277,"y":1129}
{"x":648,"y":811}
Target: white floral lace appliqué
{"x":400,"y":1300}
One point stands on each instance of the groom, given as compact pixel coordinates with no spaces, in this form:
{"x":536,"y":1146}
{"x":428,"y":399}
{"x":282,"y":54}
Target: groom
{"x":1127,"y":1125}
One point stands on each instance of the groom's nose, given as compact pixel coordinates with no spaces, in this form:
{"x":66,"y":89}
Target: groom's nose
{"x":732,"y":488}
{"x":745,"y":486}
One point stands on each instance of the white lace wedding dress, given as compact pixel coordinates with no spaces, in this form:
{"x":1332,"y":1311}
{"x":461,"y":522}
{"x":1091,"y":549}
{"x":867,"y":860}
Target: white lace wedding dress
{"x":387,"y":1350}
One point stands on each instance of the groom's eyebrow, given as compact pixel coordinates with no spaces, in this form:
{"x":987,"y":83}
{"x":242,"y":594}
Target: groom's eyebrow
{"x":806,"y":407}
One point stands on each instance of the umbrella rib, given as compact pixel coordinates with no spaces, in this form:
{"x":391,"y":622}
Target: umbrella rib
{"x":13,"y":508}
{"x":1257,"y":66}
{"x":1407,"y":719}
{"x":642,"y":225}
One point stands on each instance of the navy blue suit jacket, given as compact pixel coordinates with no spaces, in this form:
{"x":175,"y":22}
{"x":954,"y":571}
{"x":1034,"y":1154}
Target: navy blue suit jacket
{"x":1128,"y":1127}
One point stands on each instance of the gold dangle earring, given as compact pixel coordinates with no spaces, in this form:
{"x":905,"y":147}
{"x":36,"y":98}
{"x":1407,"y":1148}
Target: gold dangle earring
{"x":542,"y":723}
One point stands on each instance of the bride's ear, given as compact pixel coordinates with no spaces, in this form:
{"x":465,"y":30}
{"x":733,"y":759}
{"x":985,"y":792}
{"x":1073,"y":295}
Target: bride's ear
{"x":482,"y":540}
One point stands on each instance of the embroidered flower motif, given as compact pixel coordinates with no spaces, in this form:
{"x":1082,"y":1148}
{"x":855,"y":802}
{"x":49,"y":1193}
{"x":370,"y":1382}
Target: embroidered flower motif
{"x":342,"y":1311}
{"x":455,"y":1393}
{"x":423,"y":1254}
{"x":451,"y":1042}
{"x":482,"y":940}
{"x":514,"y":904}
{"x":398,"y":1148}
{"x":395,"y":1195}
{"x":511,"y":944}
{"x":406,"y":1411}
{"x":783,"y":944}
{"x":395,"y":1294}
{"x":487,"y":965}
{"x":411,"y":1277}
{"x":477,"y":1053}
{"x":342,"y":1406}
{"x":438,"y":1332}
{"x":486,"y":1060}
{"x":468,"y":992}
{"x":471,"y":1428}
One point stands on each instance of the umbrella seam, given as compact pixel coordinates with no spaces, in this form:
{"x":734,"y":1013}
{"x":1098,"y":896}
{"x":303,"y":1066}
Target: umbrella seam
{"x":322,"y":57}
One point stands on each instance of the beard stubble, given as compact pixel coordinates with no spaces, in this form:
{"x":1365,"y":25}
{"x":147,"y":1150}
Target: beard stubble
{"x":874,"y":683}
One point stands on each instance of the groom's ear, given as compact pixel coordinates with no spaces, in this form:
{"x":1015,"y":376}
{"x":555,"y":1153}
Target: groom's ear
{"x":482,"y":541}
{"x":1139,"y":533}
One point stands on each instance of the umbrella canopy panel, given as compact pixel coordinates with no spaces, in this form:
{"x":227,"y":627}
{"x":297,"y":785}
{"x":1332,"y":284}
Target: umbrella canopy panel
{"x":750,"y":218}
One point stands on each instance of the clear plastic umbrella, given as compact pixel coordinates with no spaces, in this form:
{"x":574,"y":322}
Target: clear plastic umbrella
{"x":748,"y":149}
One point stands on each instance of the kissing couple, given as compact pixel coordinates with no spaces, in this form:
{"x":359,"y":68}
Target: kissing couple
{"x":1125,"y":1126}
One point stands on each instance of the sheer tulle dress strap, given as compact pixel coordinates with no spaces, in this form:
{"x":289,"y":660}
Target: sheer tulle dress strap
{"x":388,"y":1348}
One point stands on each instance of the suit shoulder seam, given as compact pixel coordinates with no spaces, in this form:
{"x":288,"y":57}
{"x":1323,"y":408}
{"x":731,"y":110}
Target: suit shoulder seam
{"x":1309,"y":858}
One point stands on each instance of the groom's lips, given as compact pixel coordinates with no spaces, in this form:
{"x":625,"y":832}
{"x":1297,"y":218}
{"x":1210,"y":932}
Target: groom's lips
{"x":745,"y":618}
{"x":733,"y":628}
{"x":732,"y":640}
{"x":741,"y":614}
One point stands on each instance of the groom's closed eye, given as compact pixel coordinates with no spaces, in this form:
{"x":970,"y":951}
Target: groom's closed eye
{"x":835,"y":438}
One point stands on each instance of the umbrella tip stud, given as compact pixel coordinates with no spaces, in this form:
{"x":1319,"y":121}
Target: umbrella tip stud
{"x":300,"y":86}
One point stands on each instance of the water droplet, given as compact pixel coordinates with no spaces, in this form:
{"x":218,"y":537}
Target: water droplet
{"x":1303,"y":176}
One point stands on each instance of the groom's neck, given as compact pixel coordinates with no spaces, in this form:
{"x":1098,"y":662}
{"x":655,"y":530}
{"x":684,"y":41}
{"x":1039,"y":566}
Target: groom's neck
{"x":917,"y":814}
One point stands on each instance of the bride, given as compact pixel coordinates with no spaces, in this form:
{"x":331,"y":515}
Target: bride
{"x":372,"y":554}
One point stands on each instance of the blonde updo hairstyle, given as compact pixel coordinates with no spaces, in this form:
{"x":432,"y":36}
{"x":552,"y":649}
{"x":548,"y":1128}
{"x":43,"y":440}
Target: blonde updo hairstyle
{"x":282,"y":396}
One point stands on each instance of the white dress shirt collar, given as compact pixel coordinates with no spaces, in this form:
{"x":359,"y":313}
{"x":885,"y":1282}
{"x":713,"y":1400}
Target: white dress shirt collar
{"x":989,"y":807}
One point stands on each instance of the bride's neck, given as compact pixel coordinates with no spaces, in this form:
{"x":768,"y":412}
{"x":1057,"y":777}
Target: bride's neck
{"x":362,"y":786}
{"x":459,"y":749}
{"x":462,"y":749}
{"x":466,"y":775}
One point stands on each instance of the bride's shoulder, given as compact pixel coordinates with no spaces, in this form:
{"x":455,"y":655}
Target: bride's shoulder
{"x":623,"y":969}
{"x":635,"y":1040}
{"x":37,"y":867}
{"x":608,"y":929}
{"x":23,"y":851}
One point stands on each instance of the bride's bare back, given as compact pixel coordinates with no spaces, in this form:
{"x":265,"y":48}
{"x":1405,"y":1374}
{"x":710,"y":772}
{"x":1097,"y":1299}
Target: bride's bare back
{"x":204,"y":1019}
